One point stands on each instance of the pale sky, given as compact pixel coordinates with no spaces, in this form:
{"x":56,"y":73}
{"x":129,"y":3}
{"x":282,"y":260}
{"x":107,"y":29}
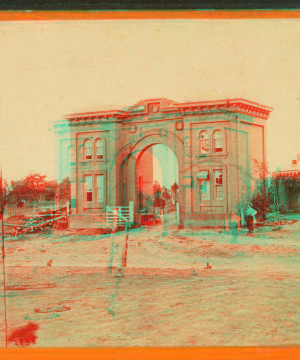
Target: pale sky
{"x":49,"y":69}
{"x":165,"y":166}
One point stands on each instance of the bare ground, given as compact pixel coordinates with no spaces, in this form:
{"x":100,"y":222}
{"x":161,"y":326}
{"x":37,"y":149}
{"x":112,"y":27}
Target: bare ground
{"x":249,"y":296}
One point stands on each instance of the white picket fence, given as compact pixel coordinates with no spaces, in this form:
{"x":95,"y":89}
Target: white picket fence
{"x":120,"y":216}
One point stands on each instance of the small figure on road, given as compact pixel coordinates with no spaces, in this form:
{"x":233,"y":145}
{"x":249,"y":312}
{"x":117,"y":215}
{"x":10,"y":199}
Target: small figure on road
{"x":250,"y":217}
{"x":234,"y":224}
{"x":162,"y":205}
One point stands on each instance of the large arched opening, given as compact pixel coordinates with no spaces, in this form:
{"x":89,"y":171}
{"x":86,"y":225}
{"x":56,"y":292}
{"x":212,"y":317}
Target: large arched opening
{"x":157,"y":185}
{"x":135,"y":182}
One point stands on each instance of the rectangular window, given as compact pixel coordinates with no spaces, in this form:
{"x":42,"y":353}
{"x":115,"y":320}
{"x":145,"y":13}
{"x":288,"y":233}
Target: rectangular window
{"x":100,"y":188}
{"x":205,"y":190}
{"x":204,"y":185}
{"x":218,"y":182}
{"x":99,"y":157}
{"x":88,"y":188}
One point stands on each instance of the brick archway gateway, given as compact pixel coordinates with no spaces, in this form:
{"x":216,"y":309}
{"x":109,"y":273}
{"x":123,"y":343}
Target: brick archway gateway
{"x":218,"y":145}
{"x":128,"y":171}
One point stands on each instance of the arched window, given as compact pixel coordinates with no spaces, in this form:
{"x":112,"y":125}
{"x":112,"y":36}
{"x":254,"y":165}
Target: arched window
{"x":99,"y":149}
{"x":71,"y":158}
{"x":87,"y":150}
{"x":203,"y":142}
{"x":217,"y":141}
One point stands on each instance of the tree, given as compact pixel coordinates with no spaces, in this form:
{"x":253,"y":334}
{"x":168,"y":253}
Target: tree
{"x":261,"y":168}
{"x":260,"y":199}
{"x":30,"y":189}
{"x":4,"y":191}
{"x":273,"y":195}
{"x":49,"y":192}
{"x":166,"y":194}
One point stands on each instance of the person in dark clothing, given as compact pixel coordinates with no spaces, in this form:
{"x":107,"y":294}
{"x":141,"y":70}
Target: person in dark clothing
{"x":250,"y":217}
{"x":162,"y":205}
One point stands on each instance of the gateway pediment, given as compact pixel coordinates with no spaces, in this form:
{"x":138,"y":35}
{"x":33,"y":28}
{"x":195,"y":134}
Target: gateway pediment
{"x":167,"y":106}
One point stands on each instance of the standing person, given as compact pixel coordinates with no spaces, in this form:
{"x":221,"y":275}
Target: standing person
{"x":234,"y":224}
{"x":162,"y":205}
{"x":250,"y":216}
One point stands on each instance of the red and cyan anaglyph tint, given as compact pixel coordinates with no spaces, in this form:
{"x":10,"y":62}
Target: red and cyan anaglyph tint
{"x":163,"y":222}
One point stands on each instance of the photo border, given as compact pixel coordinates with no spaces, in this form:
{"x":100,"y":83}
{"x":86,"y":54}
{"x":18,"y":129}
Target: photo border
{"x":172,"y":353}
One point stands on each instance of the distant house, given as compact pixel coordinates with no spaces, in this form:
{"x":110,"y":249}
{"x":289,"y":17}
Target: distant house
{"x":288,"y":180}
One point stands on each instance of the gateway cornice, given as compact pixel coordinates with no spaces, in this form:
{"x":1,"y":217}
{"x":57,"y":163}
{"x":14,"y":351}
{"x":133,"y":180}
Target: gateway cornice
{"x":168,"y":108}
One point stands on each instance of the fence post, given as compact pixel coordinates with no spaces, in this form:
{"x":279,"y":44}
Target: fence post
{"x":115,"y":219}
{"x":119,"y":216}
{"x":111,"y":253}
{"x":131,"y":212}
{"x":124,"y":253}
